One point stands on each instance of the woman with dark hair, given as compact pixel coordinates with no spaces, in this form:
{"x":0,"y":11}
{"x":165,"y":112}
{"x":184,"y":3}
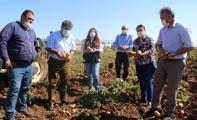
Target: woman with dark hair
{"x":91,"y":48}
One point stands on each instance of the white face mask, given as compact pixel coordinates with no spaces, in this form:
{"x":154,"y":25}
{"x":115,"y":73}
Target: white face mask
{"x":27,"y":25}
{"x":65,"y":32}
{"x":164,"y":23}
{"x":141,"y":34}
{"x":92,"y":34}
{"x":124,"y":31}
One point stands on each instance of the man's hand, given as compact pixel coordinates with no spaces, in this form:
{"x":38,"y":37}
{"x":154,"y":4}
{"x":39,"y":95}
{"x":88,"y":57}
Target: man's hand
{"x":139,"y":53}
{"x":164,"y":55}
{"x":68,"y":57}
{"x":131,"y":53}
{"x":8,"y":65}
{"x":61,"y":54}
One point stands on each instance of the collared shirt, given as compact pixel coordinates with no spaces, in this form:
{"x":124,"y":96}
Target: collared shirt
{"x":175,"y":38}
{"x":123,"y":40}
{"x":58,"y":42}
{"x":143,"y":45}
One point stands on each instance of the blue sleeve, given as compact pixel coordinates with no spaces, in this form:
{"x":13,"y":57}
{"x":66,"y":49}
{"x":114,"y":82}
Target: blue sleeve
{"x":50,"y":42}
{"x":130,"y":45}
{"x":115,"y":44}
{"x":5,"y":36}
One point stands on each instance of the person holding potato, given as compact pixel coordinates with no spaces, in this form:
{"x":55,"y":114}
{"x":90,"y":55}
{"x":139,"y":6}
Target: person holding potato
{"x":123,"y":44}
{"x":61,"y":47}
{"x":91,"y":48}
{"x":173,"y":44}
{"x":143,"y":58}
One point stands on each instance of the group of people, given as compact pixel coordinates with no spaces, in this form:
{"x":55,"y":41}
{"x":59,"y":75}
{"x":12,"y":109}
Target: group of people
{"x":18,"y":48}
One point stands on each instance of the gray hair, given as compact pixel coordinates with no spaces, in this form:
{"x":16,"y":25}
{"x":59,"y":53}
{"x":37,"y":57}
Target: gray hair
{"x":167,"y":10}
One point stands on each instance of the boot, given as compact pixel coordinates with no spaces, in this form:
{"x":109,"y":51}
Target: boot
{"x":50,"y":105}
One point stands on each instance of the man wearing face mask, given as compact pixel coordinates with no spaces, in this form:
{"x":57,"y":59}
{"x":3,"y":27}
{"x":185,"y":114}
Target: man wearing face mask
{"x":173,"y":44}
{"x":61,"y":47}
{"x":19,"y":48}
{"x":143,"y":58}
{"x":123,"y":43}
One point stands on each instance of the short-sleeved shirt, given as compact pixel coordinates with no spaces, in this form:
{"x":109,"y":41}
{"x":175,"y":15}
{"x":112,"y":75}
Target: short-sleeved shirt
{"x":175,"y":38}
{"x":58,"y":42}
{"x":143,"y":45}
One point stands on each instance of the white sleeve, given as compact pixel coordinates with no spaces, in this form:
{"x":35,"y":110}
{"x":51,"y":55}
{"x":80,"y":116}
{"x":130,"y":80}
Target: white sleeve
{"x":73,"y":44}
{"x":159,"y":40}
{"x":186,"y":38}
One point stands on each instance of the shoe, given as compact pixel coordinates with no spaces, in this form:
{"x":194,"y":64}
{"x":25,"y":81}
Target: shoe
{"x":142,"y":102}
{"x":149,"y":114}
{"x":148,"y":104}
{"x":10,"y":118}
{"x":27,"y":113}
{"x":50,"y":106}
{"x":92,"y":89}
{"x":167,"y":117}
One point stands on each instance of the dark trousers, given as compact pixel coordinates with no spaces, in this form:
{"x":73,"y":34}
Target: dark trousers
{"x":58,"y":67}
{"x":144,"y":74}
{"x":122,"y":59}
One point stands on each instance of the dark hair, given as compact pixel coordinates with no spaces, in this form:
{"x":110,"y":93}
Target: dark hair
{"x":96,"y":38}
{"x":167,"y":10}
{"x":139,"y":26}
{"x":26,"y":12}
{"x":124,"y":27}
{"x":67,"y":24}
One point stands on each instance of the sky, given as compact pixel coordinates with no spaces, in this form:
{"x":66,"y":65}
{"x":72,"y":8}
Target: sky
{"x":107,"y":16}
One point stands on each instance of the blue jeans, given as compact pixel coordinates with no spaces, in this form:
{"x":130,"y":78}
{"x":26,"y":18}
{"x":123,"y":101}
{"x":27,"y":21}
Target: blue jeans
{"x":144,"y":74}
{"x":19,"y":84}
{"x":92,"y":70}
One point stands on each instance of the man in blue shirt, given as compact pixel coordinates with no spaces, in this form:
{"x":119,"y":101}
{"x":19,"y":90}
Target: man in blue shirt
{"x":61,"y":47}
{"x":18,"y":47}
{"x":173,"y":44}
{"x":123,"y":44}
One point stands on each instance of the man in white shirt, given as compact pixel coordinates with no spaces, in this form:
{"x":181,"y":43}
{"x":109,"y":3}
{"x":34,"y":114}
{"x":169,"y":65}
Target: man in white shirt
{"x":174,"y":42}
{"x":61,"y":47}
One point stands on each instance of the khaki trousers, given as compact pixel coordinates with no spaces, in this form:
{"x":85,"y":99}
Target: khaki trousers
{"x":170,"y":72}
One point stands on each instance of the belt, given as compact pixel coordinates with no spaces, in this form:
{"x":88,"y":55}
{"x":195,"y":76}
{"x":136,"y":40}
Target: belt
{"x":57,"y":59}
{"x":175,"y":59}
